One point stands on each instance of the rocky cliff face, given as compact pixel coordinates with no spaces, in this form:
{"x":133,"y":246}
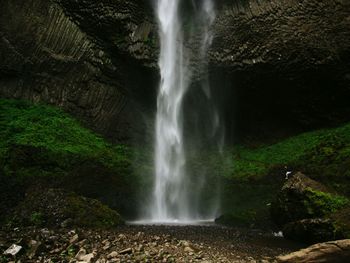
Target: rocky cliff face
{"x":287,"y":62}
{"x":277,"y":66}
{"x":89,"y":58}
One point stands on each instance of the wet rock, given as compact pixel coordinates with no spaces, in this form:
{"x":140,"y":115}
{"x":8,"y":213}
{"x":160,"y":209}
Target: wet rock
{"x":302,"y":198}
{"x":332,"y":252}
{"x":13,"y":250}
{"x":312,"y":230}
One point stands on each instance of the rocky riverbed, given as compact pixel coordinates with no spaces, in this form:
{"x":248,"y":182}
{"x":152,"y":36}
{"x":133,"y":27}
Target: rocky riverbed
{"x":133,"y":243}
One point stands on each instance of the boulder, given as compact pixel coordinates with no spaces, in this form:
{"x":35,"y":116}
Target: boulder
{"x":303,"y":198}
{"x":332,"y":252}
{"x":312,"y":230}
{"x":52,"y":207}
{"x":308,"y":212}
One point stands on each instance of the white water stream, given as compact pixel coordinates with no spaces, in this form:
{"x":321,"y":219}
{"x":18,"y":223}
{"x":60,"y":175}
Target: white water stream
{"x":170,"y":202}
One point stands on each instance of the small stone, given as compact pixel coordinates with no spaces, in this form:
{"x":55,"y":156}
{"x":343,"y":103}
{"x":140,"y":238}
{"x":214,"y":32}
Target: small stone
{"x":113,"y":254}
{"x":122,"y":237}
{"x":188,"y":249}
{"x":184,"y":243}
{"x":87,"y":258}
{"x":13,"y":250}
{"x":45,"y":232}
{"x":106,"y":246}
{"x":126,"y":251}
{"x":80,"y":254}
{"x":74,"y":239}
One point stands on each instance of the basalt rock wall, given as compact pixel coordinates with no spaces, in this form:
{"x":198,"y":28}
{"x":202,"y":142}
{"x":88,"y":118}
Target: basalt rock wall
{"x":90,"y":58}
{"x":276,"y":66}
{"x":285,"y":64}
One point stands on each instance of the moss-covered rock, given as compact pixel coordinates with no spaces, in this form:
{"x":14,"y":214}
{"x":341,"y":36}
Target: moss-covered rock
{"x":56,"y":207}
{"x":308,"y":212}
{"x":303,"y":198}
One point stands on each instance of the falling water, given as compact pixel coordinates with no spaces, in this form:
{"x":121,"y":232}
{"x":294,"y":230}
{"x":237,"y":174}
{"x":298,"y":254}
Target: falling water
{"x":171,"y":197}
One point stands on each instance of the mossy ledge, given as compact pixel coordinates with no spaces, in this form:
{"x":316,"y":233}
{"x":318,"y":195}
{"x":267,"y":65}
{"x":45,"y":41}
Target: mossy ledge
{"x":43,"y":146}
{"x":60,"y":208}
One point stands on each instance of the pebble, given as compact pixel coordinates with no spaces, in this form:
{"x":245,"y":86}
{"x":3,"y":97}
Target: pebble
{"x":113,"y":254}
{"x":126,"y":251}
{"x":74,"y":239}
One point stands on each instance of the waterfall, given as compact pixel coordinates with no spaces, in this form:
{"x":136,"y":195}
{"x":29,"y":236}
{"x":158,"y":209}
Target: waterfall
{"x":171,"y":196}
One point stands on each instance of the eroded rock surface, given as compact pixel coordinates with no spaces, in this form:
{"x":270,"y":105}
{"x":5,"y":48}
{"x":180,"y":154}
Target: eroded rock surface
{"x":329,"y":252}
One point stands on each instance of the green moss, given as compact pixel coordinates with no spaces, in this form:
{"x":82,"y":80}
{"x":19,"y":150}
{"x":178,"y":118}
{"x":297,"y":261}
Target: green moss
{"x":68,"y":253}
{"x":91,"y":213}
{"x":57,"y":207}
{"x":322,"y":151}
{"x":41,"y":144}
{"x":324,"y":155}
{"x":56,"y":141}
{"x":320,"y":203}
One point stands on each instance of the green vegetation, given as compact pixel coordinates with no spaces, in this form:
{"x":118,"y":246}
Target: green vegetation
{"x":69,"y":252}
{"x":253,"y":176}
{"x":57,"y":207}
{"x":55,"y":141}
{"x":318,"y":152}
{"x":320,"y":203}
{"x":40,"y":141}
{"x":42,"y":145}
{"x":90,"y":213}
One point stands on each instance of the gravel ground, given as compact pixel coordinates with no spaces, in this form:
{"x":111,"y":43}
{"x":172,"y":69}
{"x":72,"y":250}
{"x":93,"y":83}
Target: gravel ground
{"x":137,"y":243}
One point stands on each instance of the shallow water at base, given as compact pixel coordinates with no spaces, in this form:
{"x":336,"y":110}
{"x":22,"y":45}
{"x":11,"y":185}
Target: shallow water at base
{"x":202,"y":222}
